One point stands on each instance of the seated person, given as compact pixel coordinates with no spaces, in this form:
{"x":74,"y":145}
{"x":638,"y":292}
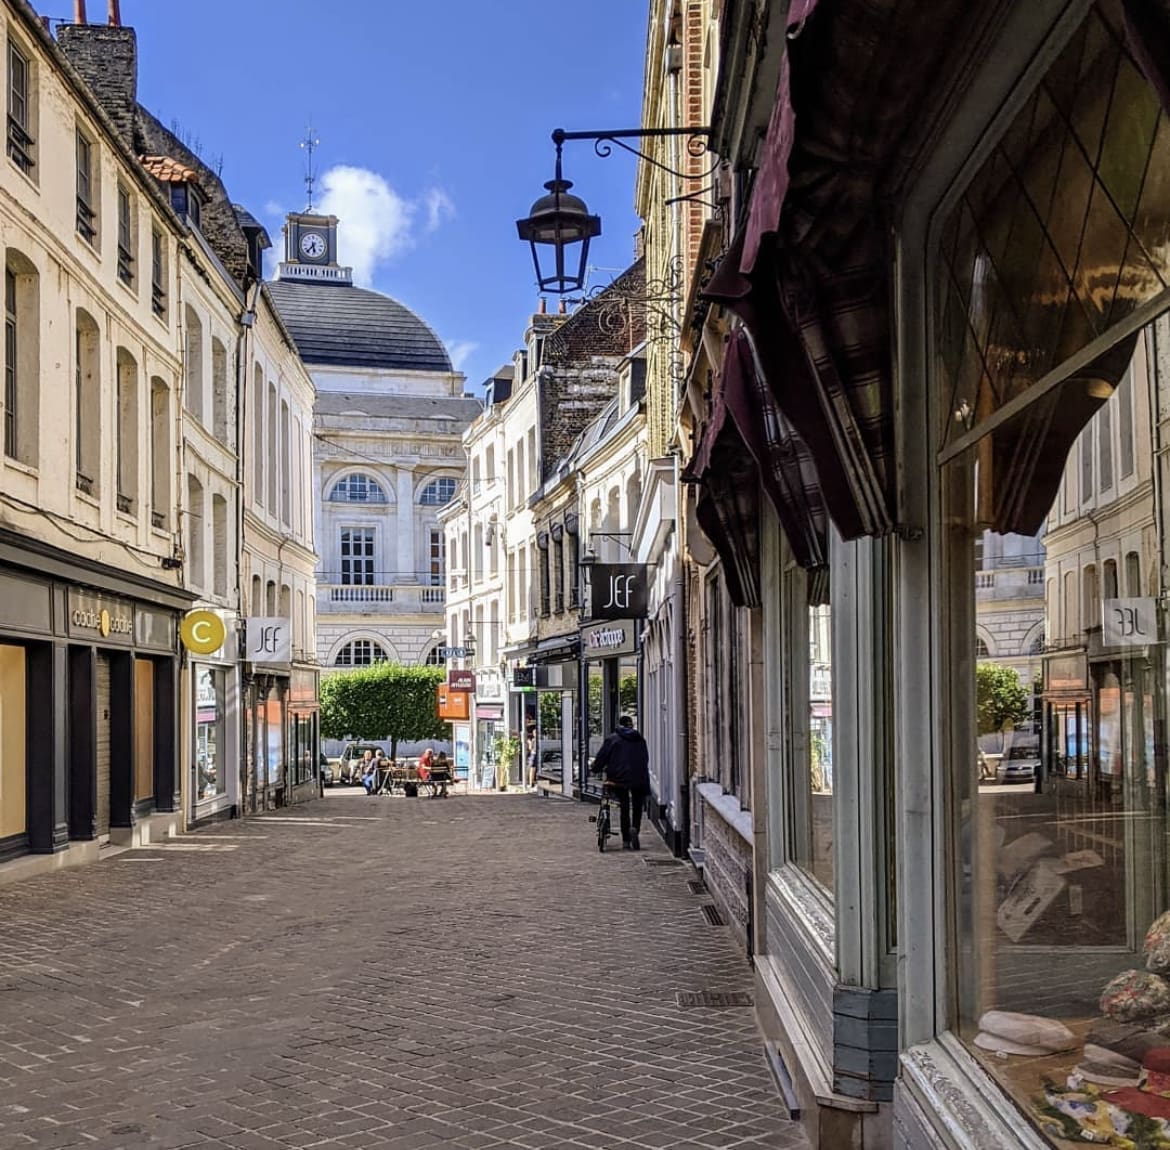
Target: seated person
{"x":369,"y":769}
{"x":441,"y":774}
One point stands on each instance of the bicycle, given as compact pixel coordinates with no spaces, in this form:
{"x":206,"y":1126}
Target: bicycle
{"x":603,"y":819}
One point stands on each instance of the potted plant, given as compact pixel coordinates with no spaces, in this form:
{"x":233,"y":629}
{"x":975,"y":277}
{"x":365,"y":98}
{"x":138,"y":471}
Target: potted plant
{"x":505,"y":748}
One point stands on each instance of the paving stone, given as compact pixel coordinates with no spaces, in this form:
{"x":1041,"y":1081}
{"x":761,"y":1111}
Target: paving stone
{"x":379,"y":975}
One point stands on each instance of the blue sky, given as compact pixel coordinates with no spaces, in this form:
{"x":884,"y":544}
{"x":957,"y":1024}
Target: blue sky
{"x":434,"y":122}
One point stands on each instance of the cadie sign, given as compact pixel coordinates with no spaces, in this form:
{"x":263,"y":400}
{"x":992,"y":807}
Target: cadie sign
{"x":618,"y":590}
{"x":601,"y":640}
{"x":269,"y":640}
{"x":98,"y":615}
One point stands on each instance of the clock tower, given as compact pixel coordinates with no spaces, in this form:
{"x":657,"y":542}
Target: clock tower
{"x":310,"y":249}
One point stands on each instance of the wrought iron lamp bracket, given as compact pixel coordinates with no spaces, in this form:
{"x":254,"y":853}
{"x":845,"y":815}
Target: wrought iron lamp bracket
{"x":697,"y":141}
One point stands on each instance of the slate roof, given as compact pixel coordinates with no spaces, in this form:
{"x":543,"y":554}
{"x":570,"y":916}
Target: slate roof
{"x":345,"y":326}
{"x":452,"y":408}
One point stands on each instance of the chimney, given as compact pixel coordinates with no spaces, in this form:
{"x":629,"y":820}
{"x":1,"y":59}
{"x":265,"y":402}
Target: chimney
{"x":46,"y":23}
{"x":79,"y":12}
{"x":541,"y":306}
{"x":561,"y":309}
{"x":115,"y":14}
{"x":107,"y":58}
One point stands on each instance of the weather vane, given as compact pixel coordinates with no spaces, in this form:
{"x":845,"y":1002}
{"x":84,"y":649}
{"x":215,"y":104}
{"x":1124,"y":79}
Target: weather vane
{"x":310,"y":144}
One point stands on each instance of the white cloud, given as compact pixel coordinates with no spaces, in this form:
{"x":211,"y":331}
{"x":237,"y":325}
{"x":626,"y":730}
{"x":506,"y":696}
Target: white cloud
{"x":375,"y":219}
{"x":274,"y":208}
{"x":376,"y":223}
{"x":439,"y":208}
{"x":460,"y":350}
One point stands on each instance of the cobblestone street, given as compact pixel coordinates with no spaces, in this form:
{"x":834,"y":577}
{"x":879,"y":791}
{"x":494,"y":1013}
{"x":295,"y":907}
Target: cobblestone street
{"x":377,"y":973}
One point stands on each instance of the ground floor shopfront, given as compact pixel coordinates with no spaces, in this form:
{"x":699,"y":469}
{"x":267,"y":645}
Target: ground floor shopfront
{"x":944,"y":959}
{"x":89,"y":706}
{"x":282,"y":737}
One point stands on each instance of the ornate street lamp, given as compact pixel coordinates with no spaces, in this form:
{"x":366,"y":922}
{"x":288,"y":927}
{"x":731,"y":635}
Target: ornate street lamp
{"x":562,"y":222}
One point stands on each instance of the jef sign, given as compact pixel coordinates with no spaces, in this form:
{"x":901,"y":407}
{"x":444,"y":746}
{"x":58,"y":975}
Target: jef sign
{"x":269,"y":640}
{"x":618,"y":590}
{"x":202,"y":632}
{"x":1129,"y":622}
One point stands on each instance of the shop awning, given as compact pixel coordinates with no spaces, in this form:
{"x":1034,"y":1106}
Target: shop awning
{"x":556,"y":649}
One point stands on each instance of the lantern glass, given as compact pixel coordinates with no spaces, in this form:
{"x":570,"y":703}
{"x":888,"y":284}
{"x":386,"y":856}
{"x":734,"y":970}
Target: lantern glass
{"x":560,"y":222}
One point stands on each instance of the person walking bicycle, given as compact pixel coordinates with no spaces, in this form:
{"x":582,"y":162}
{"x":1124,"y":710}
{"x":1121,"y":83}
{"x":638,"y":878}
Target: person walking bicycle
{"x":625,"y":760}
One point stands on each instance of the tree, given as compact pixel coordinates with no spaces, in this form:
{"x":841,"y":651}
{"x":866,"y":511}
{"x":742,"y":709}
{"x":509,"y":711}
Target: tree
{"x":385,"y":701}
{"x":1000,"y":697}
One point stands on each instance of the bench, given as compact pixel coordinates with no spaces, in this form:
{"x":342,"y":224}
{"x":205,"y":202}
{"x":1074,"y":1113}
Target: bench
{"x":403,"y":777}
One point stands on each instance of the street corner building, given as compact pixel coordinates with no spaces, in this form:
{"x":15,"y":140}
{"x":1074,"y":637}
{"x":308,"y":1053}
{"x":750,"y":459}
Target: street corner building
{"x":920,"y":495}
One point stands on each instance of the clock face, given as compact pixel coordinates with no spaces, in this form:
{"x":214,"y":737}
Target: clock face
{"x":313,"y":245}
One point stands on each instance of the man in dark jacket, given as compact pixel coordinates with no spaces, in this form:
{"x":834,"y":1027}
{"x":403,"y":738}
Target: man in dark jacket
{"x":626,"y":762}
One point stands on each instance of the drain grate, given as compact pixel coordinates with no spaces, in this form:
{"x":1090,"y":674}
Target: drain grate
{"x":655,"y":861}
{"x":711,"y":913}
{"x":716,"y":998}
{"x":696,"y":887}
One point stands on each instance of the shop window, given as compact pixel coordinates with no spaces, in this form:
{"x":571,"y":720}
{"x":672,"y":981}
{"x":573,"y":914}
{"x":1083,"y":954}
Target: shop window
{"x":87,"y":420}
{"x":814,"y":838}
{"x":1057,"y":825}
{"x":13,"y":741}
{"x":126,"y":453}
{"x":21,"y":358}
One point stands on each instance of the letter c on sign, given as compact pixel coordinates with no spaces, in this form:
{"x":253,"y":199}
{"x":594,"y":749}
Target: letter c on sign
{"x":202,"y":632}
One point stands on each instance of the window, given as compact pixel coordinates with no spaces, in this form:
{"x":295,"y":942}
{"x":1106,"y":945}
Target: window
{"x":1125,"y":422}
{"x":220,"y":421}
{"x":574,"y":570}
{"x":126,"y":458}
{"x":285,"y":466}
{"x":273,"y":464}
{"x":87,"y":417}
{"x":219,"y":545}
{"x":558,"y":561}
{"x":981,"y":650}
{"x":1105,"y":445}
{"x":438,"y":492}
{"x":1133,"y":575}
{"x":196,"y":533}
{"x":125,"y":237}
{"x":434,"y":659}
{"x":258,"y":435}
{"x":360,"y":653}
{"x":438,"y":558}
{"x":357,"y":488}
{"x":160,"y":447}
{"x":86,"y":202}
{"x":20,"y":142}
{"x":357,"y":557}
{"x":545,"y":588}
{"x":11,"y":367}
{"x":1109,"y":579}
{"x":1087,"y":464}
{"x":194,"y":384}
{"x":158,"y":273}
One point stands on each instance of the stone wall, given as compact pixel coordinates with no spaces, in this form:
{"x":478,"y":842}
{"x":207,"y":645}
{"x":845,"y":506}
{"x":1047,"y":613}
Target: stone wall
{"x":727,"y":868}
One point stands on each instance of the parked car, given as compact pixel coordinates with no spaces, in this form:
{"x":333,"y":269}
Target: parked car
{"x":1019,"y":764}
{"x":550,"y":765}
{"x":349,"y":766}
{"x":326,"y":768}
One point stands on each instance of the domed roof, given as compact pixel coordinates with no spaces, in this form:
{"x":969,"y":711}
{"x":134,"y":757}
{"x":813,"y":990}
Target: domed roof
{"x":346,"y":326}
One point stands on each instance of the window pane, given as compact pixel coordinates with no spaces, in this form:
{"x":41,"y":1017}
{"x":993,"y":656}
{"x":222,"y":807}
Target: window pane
{"x":816,"y":842}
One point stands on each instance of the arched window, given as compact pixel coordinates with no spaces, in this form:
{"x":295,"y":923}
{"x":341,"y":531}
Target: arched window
{"x":981,"y":649}
{"x":357,"y":488}
{"x":434,"y":659}
{"x":438,"y":492}
{"x":360,"y":653}
{"x":1037,"y":647}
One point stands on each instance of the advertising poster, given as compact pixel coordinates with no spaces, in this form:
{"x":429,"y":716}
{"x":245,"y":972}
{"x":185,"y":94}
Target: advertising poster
{"x":462,"y":733}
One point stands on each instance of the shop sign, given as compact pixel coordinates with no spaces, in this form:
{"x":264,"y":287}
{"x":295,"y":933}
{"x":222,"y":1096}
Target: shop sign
{"x":456,"y":652}
{"x":453,"y":705}
{"x":269,"y":640}
{"x":601,"y":640}
{"x":461,"y":680}
{"x":524,"y":678}
{"x":619,"y":590}
{"x":100,"y":616}
{"x":202,"y":632}
{"x":489,"y":684}
{"x":1129,"y":622}
{"x":490,"y":712}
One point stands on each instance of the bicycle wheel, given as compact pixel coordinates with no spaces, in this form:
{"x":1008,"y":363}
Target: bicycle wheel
{"x":602,"y":827}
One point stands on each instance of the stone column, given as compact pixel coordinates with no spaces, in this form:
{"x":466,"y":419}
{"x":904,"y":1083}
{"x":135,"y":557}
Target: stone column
{"x":407,"y":566}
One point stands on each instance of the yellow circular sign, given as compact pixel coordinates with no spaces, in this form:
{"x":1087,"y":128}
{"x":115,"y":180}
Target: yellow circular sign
{"x":202,"y":632}
{"x":104,"y":623}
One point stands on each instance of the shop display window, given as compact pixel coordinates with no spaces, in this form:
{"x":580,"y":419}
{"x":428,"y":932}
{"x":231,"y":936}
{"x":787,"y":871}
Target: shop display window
{"x":210,"y":746}
{"x":1055,"y":709}
{"x":13,"y":738}
{"x":814,"y":838}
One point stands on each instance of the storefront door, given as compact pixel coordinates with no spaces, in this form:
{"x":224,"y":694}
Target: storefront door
{"x":143,"y":730}
{"x":102,"y":805}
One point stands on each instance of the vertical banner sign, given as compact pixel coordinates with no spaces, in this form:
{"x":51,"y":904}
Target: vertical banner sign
{"x":269,"y":640}
{"x":1129,"y":622}
{"x":618,"y":590}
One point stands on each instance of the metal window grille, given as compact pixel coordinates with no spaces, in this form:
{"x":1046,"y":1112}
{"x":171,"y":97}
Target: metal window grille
{"x":125,"y":239}
{"x":20,"y":143}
